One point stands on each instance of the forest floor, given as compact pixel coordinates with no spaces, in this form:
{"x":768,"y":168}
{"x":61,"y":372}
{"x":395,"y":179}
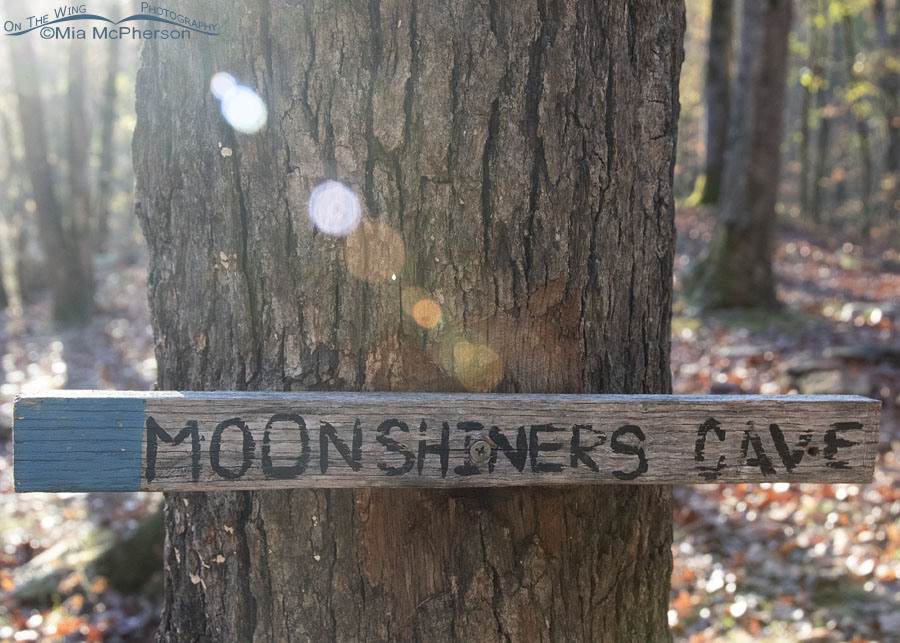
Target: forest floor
{"x":803,"y":562}
{"x":767,"y":562}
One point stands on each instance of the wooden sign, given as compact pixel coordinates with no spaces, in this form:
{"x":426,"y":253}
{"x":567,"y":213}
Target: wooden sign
{"x":206,"y":441}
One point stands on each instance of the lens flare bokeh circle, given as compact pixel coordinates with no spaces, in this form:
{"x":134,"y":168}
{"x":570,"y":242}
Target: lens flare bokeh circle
{"x":334,"y":208}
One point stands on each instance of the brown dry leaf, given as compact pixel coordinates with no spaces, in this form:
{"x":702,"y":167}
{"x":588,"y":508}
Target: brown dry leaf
{"x":69,"y":626}
{"x":755,"y":627}
{"x":786,"y":546}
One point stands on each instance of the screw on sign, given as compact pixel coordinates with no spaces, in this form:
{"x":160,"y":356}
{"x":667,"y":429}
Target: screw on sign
{"x":126,"y":441}
{"x":480,"y":451}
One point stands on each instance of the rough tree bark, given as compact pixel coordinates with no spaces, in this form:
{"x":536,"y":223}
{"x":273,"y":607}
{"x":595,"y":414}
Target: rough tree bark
{"x":737,"y":270}
{"x":72,"y":287}
{"x":718,"y":95}
{"x":515,"y":165}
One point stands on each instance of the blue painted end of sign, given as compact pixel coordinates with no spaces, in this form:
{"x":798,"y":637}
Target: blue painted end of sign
{"x":81,"y":444}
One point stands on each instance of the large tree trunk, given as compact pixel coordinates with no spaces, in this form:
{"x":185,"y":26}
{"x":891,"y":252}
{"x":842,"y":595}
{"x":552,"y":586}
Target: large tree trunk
{"x":718,"y":94}
{"x":737,"y":272}
{"x":515,"y":164}
{"x":72,"y":287}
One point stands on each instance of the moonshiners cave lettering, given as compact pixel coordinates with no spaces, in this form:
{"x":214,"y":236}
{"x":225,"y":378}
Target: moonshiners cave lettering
{"x":519,"y":450}
{"x":216,"y":440}
{"x":395,"y":450}
{"x":753,"y":450}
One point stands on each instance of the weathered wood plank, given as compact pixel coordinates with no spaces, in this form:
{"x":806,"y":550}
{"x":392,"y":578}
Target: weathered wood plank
{"x":117,"y":441}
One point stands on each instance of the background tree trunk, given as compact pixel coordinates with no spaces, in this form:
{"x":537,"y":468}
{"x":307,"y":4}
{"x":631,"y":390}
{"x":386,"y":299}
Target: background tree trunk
{"x":887,"y":30}
{"x":78,"y":137}
{"x":820,"y":170}
{"x":859,"y":114}
{"x":737,"y":272}
{"x":107,"y":129}
{"x":4,"y":300}
{"x":11,"y":179}
{"x":823,"y":109}
{"x":72,"y":287}
{"x":806,"y":114}
{"x":718,"y":93}
{"x":515,"y":164}
{"x":812,"y":114}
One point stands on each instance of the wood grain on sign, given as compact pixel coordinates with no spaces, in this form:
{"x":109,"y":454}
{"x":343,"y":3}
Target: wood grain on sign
{"x":120,"y":441}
